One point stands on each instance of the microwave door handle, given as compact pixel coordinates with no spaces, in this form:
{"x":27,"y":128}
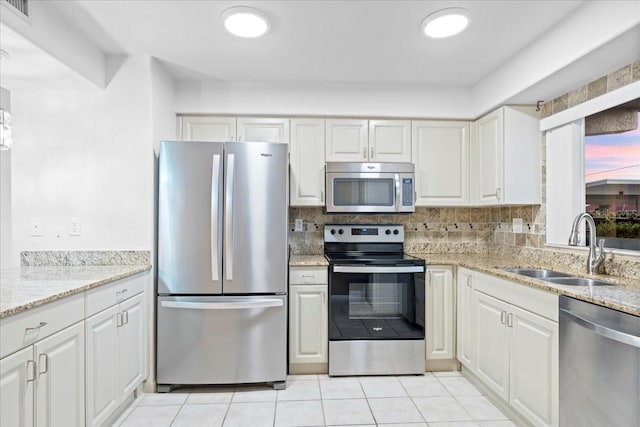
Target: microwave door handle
{"x":398,"y":194}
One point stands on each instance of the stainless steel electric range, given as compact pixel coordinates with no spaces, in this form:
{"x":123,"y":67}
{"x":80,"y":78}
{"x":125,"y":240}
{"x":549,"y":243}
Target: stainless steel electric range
{"x":376,"y":302}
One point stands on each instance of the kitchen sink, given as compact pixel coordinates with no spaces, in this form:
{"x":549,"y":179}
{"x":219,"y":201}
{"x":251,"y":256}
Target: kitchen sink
{"x":557,"y":277}
{"x":577,"y":281}
{"x":537,"y":273}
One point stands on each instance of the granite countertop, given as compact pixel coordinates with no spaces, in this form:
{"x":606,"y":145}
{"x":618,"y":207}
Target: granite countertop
{"x":27,"y":287}
{"x":307,"y":260}
{"x":625,"y":296}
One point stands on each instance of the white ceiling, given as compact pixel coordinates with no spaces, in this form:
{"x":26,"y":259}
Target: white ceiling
{"x":360,"y":44}
{"x":318,"y":42}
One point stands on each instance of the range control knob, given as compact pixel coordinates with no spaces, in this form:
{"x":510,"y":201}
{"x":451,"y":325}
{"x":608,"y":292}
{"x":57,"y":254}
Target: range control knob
{"x":333,"y":231}
{"x":387,"y":232}
{"x":341,"y":231}
{"x":396,"y":232}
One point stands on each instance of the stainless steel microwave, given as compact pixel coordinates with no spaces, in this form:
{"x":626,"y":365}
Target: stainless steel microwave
{"x":370,"y":188}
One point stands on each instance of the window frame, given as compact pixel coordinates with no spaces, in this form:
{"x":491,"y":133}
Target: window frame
{"x":574,"y":117}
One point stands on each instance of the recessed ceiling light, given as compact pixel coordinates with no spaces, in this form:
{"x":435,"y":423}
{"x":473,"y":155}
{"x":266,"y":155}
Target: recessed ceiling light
{"x":445,"y":22}
{"x":245,"y":22}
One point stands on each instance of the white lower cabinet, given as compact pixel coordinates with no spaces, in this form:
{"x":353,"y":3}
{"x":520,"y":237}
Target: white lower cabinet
{"x":43,"y":384}
{"x":17,"y":376}
{"x":116,"y":357}
{"x":308,"y":320}
{"x":42,"y":368}
{"x":516,"y":353}
{"x":440,"y":313}
{"x":465,"y":315}
{"x":492,"y":343}
{"x":60,"y":378}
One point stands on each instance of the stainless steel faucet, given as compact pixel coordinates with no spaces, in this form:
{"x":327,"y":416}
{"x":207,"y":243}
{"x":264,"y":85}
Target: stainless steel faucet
{"x":596,"y":256}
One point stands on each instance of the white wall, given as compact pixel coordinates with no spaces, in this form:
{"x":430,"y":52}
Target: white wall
{"x":88,"y":155}
{"x":323,"y":100}
{"x":5,"y":191}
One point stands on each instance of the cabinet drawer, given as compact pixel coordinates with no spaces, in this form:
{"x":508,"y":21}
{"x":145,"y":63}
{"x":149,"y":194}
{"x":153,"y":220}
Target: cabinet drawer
{"x":308,"y":276}
{"x":105,"y":296}
{"x":26,"y":328}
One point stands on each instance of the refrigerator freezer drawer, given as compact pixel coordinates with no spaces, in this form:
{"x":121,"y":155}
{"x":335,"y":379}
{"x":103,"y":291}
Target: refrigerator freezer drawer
{"x":221,"y":340}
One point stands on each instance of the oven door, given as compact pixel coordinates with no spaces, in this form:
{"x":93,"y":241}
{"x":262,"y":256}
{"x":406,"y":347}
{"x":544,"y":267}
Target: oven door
{"x":376,"y":303}
{"x":382,"y":192}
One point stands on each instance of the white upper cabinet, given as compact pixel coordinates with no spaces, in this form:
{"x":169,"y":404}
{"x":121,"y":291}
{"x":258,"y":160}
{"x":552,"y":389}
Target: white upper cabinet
{"x":389,"y":141}
{"x":376,"y":141}
{"x":223,"y":128}
{"x":347,"y":140}
{"x":440,"y":152}
{"x":260,"y":129}
{"x":506,"y":148}
{"x":207,"y":128}
{"x":307,"y":162}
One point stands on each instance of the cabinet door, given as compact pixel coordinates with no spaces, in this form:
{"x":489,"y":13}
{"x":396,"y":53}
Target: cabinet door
{"x":17,"y":375}
{"x":207,"y":128}
{"x":389,"y":141}
{"x":465,"y":319}
{"x":492,"y":343}
{"x":307,"y":162}
{"x":308,"y":324}
{"x":533,"y":389}
{"x":263,"y":129}
{"x":102,"y":389}
{"x":60,"y":382}
{"x":132,"y":344}
{"x":440,"y":325}
{"x":440,"y":151}
{"x":489,"y":158}
{"x":347,"y":140}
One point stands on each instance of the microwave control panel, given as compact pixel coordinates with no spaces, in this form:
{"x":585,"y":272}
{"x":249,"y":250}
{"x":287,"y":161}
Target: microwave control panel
{"x":407,"y":191}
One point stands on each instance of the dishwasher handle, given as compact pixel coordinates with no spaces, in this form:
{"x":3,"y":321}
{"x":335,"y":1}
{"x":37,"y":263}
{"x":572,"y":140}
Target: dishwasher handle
{"x":231,"y":305}
{"x":609,"y":333}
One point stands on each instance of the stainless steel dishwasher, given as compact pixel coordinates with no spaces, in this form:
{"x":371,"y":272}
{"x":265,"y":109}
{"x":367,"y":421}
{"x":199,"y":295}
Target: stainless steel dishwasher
{"x":599,"y":366}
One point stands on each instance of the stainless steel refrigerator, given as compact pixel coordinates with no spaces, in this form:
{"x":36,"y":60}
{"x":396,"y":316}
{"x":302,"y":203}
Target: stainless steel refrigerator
{"x":222,"y":263}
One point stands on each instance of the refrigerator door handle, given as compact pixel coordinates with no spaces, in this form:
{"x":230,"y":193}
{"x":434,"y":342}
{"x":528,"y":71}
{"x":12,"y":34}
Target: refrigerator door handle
{"x":234,"y":305}
{"x":229,"y":237}
{"x":215,"y":218}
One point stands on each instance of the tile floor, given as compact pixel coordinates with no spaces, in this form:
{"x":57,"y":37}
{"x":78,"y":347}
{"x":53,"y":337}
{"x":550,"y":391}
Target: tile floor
{"x":433,"y":400}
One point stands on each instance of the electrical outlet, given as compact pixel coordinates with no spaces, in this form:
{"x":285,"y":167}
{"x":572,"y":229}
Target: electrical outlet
{"x":299,"y":225}
{"x":74,"y":227}
{"x":517,"y":225}
{"x":36,"y":227}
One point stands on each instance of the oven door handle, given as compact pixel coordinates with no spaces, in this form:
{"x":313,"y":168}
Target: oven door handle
{"x":373,"y":269}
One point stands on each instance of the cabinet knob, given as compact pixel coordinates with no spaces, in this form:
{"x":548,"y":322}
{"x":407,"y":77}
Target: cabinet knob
{"x":364,"y":152}
{"x":373,"y":151}
{"x":498,"y":193}
{"x":510,"y":320}
{"x":503,"y":317}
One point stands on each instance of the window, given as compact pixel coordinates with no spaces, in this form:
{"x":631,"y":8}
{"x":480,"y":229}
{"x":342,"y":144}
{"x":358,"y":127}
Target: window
{"x":573,"y":171}
{"x":612,"y":174}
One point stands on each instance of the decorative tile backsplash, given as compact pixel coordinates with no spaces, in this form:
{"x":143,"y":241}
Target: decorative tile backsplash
{"x":431,"y":230}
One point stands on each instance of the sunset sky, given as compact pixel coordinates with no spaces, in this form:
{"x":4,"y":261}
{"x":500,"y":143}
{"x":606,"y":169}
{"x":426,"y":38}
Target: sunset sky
{"x":606,"y":152}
